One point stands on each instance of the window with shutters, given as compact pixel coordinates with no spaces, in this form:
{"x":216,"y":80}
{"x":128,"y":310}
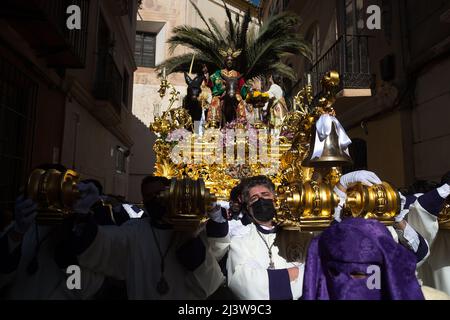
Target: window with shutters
{"x":145,"y":48}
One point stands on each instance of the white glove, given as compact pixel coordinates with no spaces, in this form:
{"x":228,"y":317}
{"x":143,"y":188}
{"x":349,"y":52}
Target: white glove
{"x":444,"y":190}
{"x":367,"y":178}
{"x":342,"y":197}
{"x":24,"y":214}
{"x":89,"y":195}
{"x":409,"y":237}
{"x":223,"y":204}
{"x":403,"y":212}
{"x":216,"y":214}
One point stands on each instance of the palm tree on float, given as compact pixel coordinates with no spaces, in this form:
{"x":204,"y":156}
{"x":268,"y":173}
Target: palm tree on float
{"x":262,"y":51}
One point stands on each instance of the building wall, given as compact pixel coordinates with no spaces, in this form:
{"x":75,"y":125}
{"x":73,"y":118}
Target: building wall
{"x":91,"y":138}
{"x":143,"y":151}
{"x":429,"y":43}
{"x":407,"y":119}
{"x":431,"y":123}
{"x":385,"y":154}
{"x":31,"y":136}
{"x":69,"y":125}
{"x":428,"y":23}
{"x":45,"y":138}
{"x":49,"y":126}
{"x":90,"y":149}
{"x":122,"y":30}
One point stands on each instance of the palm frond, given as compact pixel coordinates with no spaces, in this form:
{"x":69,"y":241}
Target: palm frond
{"x":192,"y":38}
{"x":218,"y":30}
{"x":242,"y":35}
{"x":202,"y":17}
{"x":263,"y":51}
{"x":271,"y":50}
{"x":283,"y":70}
{"x":230,"y":24}
{"x":182,"y":63}
{"x":242,"y":39}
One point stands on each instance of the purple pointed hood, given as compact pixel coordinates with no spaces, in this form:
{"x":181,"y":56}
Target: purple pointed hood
{"x":358,"y":259}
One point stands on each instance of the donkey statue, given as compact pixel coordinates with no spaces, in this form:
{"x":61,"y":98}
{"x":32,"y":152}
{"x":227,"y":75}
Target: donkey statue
{"x":191,"y":101}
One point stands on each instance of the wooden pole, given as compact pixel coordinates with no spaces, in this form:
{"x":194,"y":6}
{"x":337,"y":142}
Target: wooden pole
{"x":192,"y":64}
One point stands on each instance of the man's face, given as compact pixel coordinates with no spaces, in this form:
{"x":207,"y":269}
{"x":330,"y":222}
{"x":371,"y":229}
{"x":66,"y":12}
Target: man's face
{"x":235,"y":206}
{"x":229,"y":62}
{"x":258,"y":192}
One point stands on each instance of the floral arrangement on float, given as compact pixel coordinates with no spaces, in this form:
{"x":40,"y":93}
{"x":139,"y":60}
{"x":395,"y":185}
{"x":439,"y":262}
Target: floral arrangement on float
{"x":257,"y":98}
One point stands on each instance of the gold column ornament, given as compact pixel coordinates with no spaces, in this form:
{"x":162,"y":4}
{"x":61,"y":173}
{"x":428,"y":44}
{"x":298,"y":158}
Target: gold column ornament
{"x":310,"y":205}
{"x":444,"y":217}
{"x":188,"y":202}
{"x":55,"y":193}
{"x":380,"y":201}
{"x":306,"y":206}
{"x":170,"y":119}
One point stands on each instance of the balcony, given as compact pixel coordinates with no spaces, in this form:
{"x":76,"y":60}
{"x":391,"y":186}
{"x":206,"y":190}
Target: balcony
{"x":108,"y":82}
{"x":350,"y":57}
{"x":42,"y":23}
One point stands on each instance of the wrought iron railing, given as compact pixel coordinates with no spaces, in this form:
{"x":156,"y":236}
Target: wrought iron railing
{"x":349,"y":56}
{"x":108,"y":81}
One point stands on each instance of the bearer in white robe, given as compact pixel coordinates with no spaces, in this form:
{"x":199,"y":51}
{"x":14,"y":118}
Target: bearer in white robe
{"x":265,"y":263}
{"x":33,"y":262}
{"x":156,"y":261}
{"x":423,"y":215}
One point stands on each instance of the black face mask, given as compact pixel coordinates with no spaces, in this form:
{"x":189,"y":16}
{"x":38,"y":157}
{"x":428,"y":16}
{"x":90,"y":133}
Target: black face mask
{"x":155,"y":209}
{"x":263,"y":210}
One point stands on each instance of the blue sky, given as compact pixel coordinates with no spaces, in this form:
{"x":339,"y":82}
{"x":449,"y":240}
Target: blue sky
{"x":255,"y":2}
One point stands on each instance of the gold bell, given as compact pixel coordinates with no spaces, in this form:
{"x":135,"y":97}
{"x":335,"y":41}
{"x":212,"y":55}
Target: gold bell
{"x":332,"y":154}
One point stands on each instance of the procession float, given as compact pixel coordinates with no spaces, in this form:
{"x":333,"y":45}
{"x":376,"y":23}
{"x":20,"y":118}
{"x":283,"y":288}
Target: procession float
{"x":230,"y":127}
